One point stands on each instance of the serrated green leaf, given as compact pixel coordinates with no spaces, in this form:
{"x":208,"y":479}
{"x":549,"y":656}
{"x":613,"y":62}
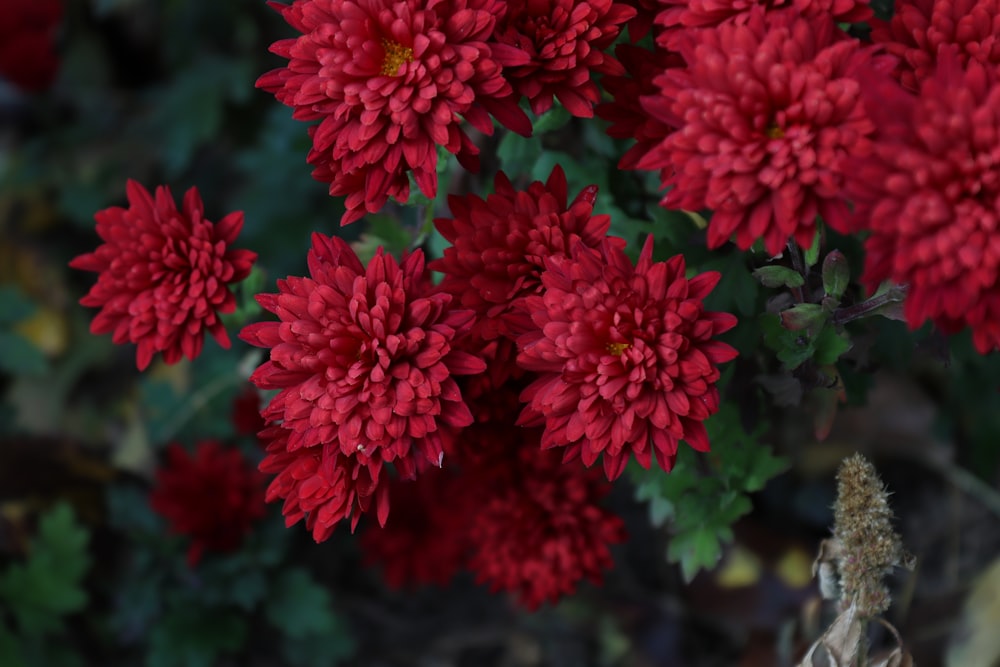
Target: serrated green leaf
{"x":695,"y":550}
{"x":793,"y":348}
{"x":298,"y":605}
{"x":830,"y":345}
{"x":778,"y":276}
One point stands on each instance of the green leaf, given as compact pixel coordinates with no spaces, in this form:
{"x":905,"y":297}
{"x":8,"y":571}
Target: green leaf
{"x":836,"y":274}
{"x":793,"y":348}
{"x":553,"y":119}
{"x":298,"y":605}
{"x":14,"y":305}
{"x":323,"y":650}
{"x":20,"y":357}
{"x":778,"y":276}
{"x":830,"y":345}
{"x":48,"y":586}
{"x":802,"y":316}
{"x":811,"y":254}
{"x":10,"y":648}
{"x":695,"y":550}
{"x":189,"y":636}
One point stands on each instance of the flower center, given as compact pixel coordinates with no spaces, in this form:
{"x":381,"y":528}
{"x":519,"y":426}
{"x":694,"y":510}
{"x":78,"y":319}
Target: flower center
{"x":617,"y":348}
{"x":774,"y":132}
{"x":395,"y":55}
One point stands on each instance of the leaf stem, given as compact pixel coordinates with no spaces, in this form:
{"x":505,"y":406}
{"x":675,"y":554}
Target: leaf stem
{"x":894,"y":294}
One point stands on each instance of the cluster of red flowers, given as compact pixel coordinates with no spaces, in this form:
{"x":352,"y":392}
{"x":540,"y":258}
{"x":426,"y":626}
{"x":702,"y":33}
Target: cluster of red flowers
{"x":390,"y":81}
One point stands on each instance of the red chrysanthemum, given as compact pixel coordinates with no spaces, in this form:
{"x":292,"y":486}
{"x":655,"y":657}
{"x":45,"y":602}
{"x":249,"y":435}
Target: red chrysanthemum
{"x":213,"y":497}
{"x":364,"y":360}
{"x":680,"y":16}
{"x":629,"y":120}
{"x":918,"y":28}
{"x":426,"y":539}
{"x":389,"y":82}
{"x":930,"y":194}
{"x":538,"y":527}
{"x":626,"y":357}
{"x":28,"y":57}
{"x":164,"y":274}
{"x":565,"y":40}
{"x":499,"y":245}
{"x":767,"y":112}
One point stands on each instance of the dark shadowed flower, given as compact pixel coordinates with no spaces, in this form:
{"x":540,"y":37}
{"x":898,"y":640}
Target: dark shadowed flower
{"x":681,"y":16}
{"x":766,"y":114}
{"x":499,"y":245}
{"x":565,"y":40}
{"x":918,"y":28}
{"x":629,"y":120}
{"x":364,"y":360}
{"x":625,"y":356}
{"x":930,"y":194}
{"x":214,"y":497}
{"x":244,"y":412}
{"x":164,"y":274}
{"x":28,"y":57}
{"x":390,"y":82}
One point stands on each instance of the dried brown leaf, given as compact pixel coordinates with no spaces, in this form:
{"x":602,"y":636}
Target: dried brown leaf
{"x":839,"y":644}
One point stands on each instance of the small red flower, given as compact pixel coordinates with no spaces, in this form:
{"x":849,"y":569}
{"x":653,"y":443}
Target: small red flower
{"x":930,"y":194}
{"x":565,"y":40}
{"x":164,"y":274}
{"x":365,"y":361}
{"x":767,"y":112}
{"x":625,"y":357}
{"x":629,"y":120}
{"x":28,"y":58}
{"x":680,"y":16}
{"x":213,"y":497}
{"x":499,"y":245}
{"x":389,"y":82}
{"x":919,"y":28}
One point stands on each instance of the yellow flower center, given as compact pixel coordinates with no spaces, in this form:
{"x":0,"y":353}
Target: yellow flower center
{"x":617,"y":348}
{"x":395,"y":55}
{"x":774,"y":132}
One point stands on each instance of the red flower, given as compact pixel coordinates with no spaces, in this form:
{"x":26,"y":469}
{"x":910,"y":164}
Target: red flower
{"x":538,"y":527}
{"x":164,"y":274}
{"x":364,"y":361}
{"x":27,"y":50}
{"x":565,"y":40}
{"x":625,"y":113}
{"x":625,"y":356}
{"x":681,"y":16}
{"x":920,"y":27}
{"x":499,"y":245}
{"x":214,"y":497}
{"x":767,"y":112}
{"x":245,"y":412}
{"x":426,"y":541}
{"x":930,"y":194}
{"x":388,"y":81}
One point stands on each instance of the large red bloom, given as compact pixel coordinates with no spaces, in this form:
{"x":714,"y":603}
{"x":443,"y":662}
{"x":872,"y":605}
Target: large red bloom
{"x":768,"y":112}
{"x":680,"y":16}
{"x":930,"y":194}
{"x":499,"y":245}
{"x":389,"y":82}
{"x":364,"y":360}
{"x":566,"y":40}
{"x":920,"y":27}
{"x":164,"y":274}
{"x":214,"y":497}
{"x":625,"y":356}
{"x":28,"y":57}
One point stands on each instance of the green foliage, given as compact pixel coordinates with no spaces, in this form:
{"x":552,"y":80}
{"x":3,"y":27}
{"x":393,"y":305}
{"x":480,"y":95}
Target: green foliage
{"x":42,"y":591}
{"x":191,"y":636}
{"x":19,"y":356}
{"x":301,"y":609}
{"x":702,"y":502}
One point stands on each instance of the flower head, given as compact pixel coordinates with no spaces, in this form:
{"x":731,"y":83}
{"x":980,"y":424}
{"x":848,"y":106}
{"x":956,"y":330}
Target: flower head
{"x":919,"y":28}
{"x":164,"y":274}
{"x":389,"y":82}
{"x":27,"y":42}
{"x":364,"y":360}
{"x":767,"y":112}
{"x":565,"y":40}
{"x":625,"y":357}
{"x":213,"y":497}
{"x":930,"y":195}
{"x":499,"y":245}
